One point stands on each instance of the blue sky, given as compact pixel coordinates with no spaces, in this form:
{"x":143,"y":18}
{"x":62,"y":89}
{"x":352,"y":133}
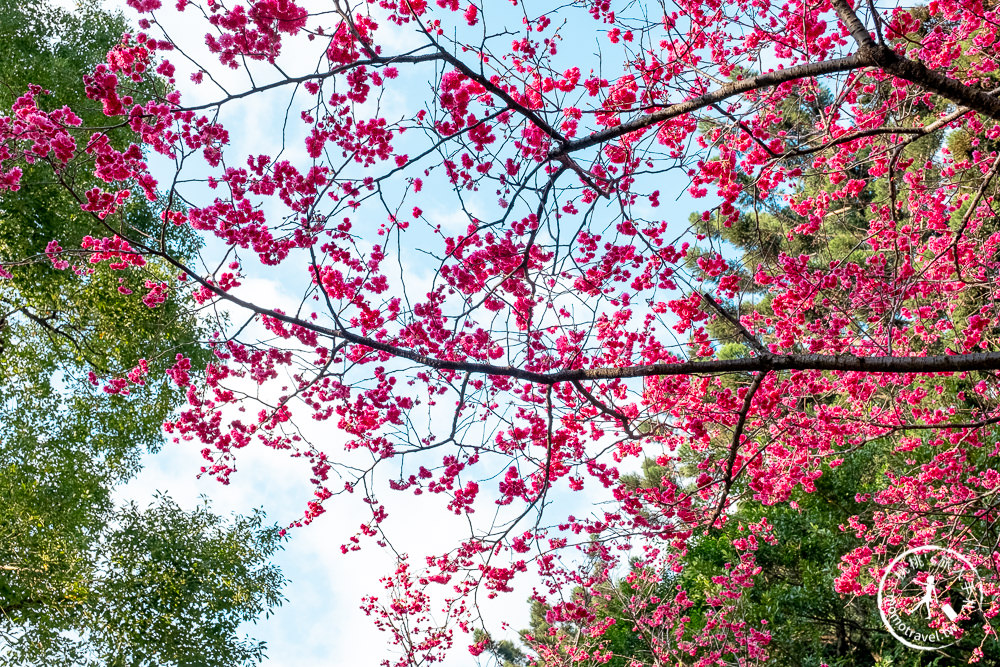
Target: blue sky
{"x":321,"y":624}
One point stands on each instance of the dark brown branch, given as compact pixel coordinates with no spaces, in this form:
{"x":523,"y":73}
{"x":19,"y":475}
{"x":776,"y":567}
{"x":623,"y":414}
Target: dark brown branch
{"x":56,"y":331}
{"x":735,"y":321}
{"x":978,"y":361}
{"x":878,"y":21}
{"x":869,"y":54}
{"x":884,"y":57}
{"x":607,"y":410}
{"x":375,"y":61}
{"x":533,"y":117}
{"x":850,"y":19}
{"x":734,"y":448}
{"x":485,"y":82}
{"x":585,"y":176}
{"x":749,"y":132}
{"x":973,"y":97}
{"x":765,"y":80}
{"x":513,"y":104}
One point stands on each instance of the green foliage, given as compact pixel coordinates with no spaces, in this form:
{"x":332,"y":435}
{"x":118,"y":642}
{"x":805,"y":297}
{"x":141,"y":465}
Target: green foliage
{"x":80,"y":318}
{"x":84,"y":581}
{"x":811,"y":624}
{"x":125,"y":586}
{"x":505,"y":652}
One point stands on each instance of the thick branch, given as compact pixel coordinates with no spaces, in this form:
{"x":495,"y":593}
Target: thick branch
{"x":849,"y":18}
{"x":979,"y":361}
{"x":765,"y":80}
{"x":973,"y":97}
{"x":869,"y":54}
{"x":845,"y":363}
{"x":889,"y":61}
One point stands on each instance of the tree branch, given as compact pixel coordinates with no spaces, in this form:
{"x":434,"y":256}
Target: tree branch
{"x":734,"y":448}
{"x":374,"y":61}
{"x":978,"y":361}
{"x":735,"y":321}
{"x":765,"y":80}
{"x":869,"y":54}
{"x":889,"y":61}
{"x":607,"y":410}
{"x":850,"y":19}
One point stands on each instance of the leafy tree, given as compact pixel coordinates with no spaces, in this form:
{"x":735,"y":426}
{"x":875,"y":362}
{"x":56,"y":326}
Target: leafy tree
{"x":84,"y":581}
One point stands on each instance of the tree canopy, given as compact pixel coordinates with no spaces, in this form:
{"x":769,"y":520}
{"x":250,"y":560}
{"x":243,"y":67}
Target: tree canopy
{"x":84,"y":579}
{"x":498,"y":306}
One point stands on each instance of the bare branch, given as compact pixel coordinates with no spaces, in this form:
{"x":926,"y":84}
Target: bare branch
{"x":734,"y":448}
{"x":735,"y":321}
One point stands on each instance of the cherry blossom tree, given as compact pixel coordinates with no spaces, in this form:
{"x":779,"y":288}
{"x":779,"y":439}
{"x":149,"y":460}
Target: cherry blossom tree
{"x":499,"y":307}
